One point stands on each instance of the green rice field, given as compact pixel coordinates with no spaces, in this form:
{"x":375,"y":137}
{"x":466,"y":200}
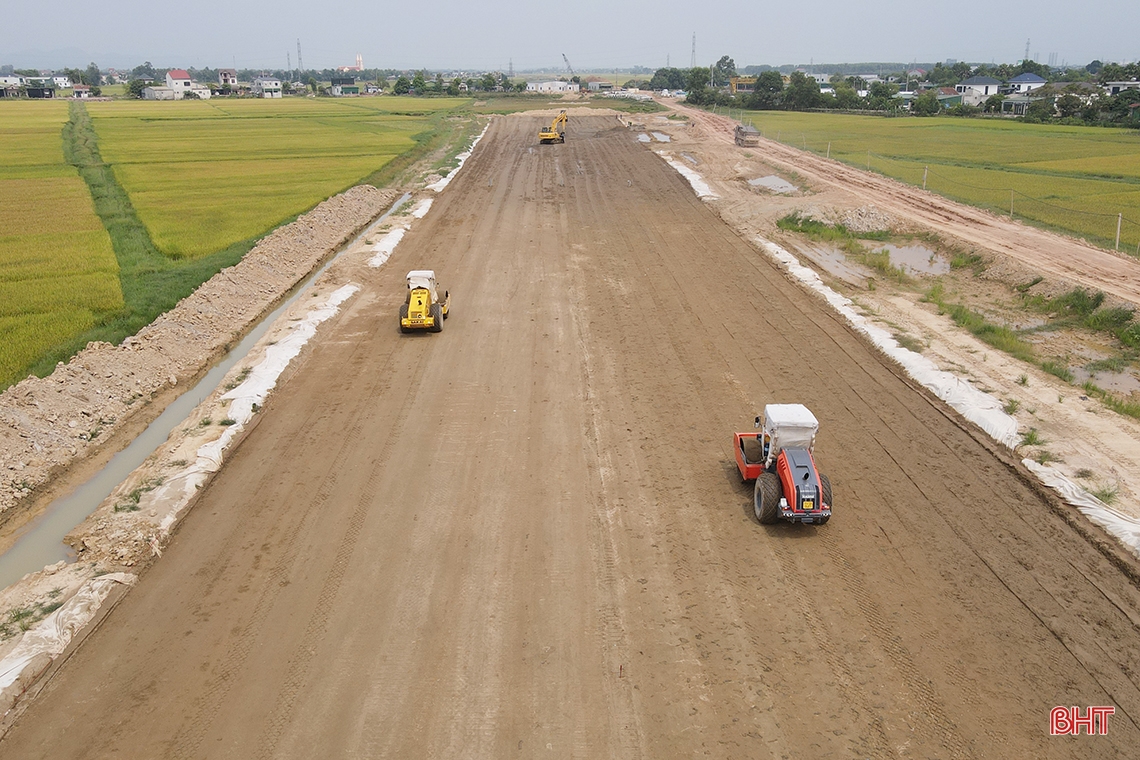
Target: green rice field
{"x":1073,"y":179}
{"x":203,"y":175}
{"x":58,"y":272}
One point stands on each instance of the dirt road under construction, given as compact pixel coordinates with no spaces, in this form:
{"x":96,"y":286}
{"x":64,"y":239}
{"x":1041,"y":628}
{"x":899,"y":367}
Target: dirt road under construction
{"x":525,"y":536}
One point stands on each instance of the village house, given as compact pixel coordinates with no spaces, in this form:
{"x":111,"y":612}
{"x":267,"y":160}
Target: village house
{"x":178,"y":80}
{"x":344,"y":86}
{"x":80,"y":91}
{"x":1115,"y":88}
{"x":227,"y":78}
{"x":1023,"y":84}
{"x":267,"y":87}
{"x":976,"y":90}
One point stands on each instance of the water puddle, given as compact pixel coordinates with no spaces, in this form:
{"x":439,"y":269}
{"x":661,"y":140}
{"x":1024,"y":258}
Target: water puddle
{"x":40,"y":542}
{"x":644,"y":138}
{"x":832,"y":261}
{"x":661,"y":137}
{"x":915,"y":259}
{"x":773,"y":183}
{"x":690,"y":159}
{"x":1117,"y":382}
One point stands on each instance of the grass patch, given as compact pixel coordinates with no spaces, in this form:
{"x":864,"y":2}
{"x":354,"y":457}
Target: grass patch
{"x":1011,"y":406}
{"x":1107,"y":493}
{"x":19,"y":619}
{"x":1057,"y":370}
{"x":1032,"y":437}
{"x":239,"y":379}
{"x":909,"y":343}
{"x":227,"y":422}
{"x":131,"y":502}
{"x":997,"y":336}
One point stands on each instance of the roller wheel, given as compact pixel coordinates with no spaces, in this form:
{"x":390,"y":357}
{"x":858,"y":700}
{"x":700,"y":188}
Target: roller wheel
{"x":437,"y":317}
{"x":825,"y":486}
{"x":403,"y":316}
{"x":766,"y":500}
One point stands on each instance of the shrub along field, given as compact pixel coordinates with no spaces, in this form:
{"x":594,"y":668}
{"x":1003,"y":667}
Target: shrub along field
{"x":58,"y":273}
{"x":203,"y":175}
{"x":1074,"y":179}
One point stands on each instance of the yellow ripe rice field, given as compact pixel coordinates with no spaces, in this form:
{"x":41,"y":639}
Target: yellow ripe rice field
{"x":1075,"y":179}
{"x":203,"y":175}
{"x":58,"y":272}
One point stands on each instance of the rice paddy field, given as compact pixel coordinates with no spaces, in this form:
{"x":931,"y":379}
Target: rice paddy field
{"x":58,"y":272}
{"x":1078,"y":180}
{"x":203,"y":175}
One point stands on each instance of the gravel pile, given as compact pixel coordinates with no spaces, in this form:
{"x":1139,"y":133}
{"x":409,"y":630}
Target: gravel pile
{"x":866,"y":219}
{"x":49,"y":423}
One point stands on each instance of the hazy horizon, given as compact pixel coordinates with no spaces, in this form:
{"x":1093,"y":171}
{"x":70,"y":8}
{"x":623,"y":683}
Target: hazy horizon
{"x":594,"y":35}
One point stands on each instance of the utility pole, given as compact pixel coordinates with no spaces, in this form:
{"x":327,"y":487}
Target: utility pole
{"x":300,"y":66}
{"x":693,"y":60}
{"x":1026,"y":58}
{"x":511,"y":68}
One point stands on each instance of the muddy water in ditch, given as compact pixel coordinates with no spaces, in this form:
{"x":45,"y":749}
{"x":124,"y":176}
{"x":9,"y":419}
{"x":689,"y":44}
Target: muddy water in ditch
{"x":40,"y":542}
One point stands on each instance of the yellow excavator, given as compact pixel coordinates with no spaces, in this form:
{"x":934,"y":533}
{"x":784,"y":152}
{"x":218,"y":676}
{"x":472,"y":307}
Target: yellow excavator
{"x":556,"y":132}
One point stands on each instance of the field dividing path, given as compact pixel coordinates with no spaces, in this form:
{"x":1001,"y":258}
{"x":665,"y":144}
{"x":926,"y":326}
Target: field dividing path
{"x":525,"y":536}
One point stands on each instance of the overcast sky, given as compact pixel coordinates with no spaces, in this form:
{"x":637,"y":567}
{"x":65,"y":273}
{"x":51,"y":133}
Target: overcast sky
{"x":490,"y":34}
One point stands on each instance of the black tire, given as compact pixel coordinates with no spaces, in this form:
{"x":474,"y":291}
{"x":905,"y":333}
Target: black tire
{"x":403,"y":316}
{"x":766,"y":498}
{"x":825,"y":486}
{"x":437,"y":318}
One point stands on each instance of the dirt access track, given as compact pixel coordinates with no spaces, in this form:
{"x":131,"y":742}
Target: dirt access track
{"x":525,"y":536}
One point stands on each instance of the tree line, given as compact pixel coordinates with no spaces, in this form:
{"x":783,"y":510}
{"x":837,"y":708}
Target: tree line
{"x":1068,"y":96}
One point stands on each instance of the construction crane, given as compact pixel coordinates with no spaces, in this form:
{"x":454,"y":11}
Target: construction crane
{"x":568,"y":66}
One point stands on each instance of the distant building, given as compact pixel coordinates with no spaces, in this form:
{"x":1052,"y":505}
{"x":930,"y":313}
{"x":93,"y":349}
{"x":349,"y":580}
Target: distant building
{"x":600,"y":86}
{"x":552,"y":87}
{"x":227,"y":77}
{"x":1023,"y":84}
{"x":976,"y":90}
{"x":80,"y":91}
{"x":344,"y":86}
{"x":62,"y":82}
{"x":1115,"y":88}
{"x":178,"y":80}
{"x":267,"y":87}
{"x":159,"y":93}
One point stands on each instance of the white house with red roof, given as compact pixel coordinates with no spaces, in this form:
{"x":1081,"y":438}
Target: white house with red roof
{"x":178,"y":85}
{"x":178,"y":80}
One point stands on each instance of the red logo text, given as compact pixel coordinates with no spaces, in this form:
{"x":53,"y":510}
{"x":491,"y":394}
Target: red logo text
{"x":1068,"y":721}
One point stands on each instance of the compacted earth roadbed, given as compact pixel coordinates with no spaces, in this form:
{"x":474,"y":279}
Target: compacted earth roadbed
{"x":527,"y":535}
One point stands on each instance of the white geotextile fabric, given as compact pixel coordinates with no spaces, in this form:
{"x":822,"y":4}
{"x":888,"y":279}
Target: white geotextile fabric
{"x":1126,"y":529}
{"x":442,"y":183}
{"x":980,"y":408}
{"x":421,"y":209}
{"x":384,"y":247}
{"x":179,"y":488}
{"x":52,"y":634}
{"x":700,"y":187}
